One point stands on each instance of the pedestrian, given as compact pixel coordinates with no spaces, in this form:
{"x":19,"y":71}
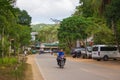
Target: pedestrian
{"x":25,"y":52}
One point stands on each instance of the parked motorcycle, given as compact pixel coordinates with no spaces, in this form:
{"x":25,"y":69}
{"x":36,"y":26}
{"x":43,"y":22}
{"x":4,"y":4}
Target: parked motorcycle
{"x":76,"y":54}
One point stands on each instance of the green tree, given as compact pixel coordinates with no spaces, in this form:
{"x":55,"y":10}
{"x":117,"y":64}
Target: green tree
{"x":24,"y":35}
{"x":23,"y":17}
{"x":88,"y":8}
{"x":72,"y":29}
{"x":113,"y":17}
{"x":94,"y":10}
{"x":9,"y":27}
{"x":48,"y":34}
{"x":7,"y":20}
{"x":99,"y":30}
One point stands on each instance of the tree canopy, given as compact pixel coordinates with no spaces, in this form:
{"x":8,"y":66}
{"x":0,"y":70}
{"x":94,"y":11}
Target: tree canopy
{"x":47,"y":33}
{"x":72,"y":29}
{"x":112,"y":15}
{"x":12,"y":28}
{"x":96,"y":9}
{"x":96,"y":12}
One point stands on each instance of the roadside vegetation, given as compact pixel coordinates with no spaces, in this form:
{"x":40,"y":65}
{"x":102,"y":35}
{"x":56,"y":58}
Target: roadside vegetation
{"x":46,"y":32}
{"x":11,"y":70}
{"x":92,"y":18}
{"x":14,"y":36}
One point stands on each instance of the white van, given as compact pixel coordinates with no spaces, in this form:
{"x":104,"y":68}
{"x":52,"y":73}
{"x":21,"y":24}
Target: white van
{"x":105,"y":52}
{"x":87,"y":53}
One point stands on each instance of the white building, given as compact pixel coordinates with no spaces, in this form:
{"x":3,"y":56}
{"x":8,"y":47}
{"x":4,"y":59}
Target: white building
{"x":33,"y":35}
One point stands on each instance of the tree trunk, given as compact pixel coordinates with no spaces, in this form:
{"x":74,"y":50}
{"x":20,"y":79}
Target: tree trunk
{"x":116,"y":34}
{"x":2,"y":43}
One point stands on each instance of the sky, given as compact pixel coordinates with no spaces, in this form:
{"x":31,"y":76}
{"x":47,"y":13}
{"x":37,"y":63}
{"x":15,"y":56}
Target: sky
{"x":42,"y":10}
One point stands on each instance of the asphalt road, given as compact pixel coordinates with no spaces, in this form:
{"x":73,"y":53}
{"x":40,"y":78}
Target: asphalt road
{"x":74,"y":70}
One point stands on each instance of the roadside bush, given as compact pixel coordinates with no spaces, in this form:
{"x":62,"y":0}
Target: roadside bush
{"x":10,"y":69}
{"x":19,"y":72}
{"x":67,"y":51}
{"x":7,"y":60}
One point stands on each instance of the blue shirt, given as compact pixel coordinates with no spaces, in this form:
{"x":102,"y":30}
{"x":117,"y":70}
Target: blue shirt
{"x":60,"y":54}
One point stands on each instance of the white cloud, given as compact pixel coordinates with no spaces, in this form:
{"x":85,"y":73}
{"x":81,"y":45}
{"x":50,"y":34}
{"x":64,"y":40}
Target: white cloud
{"x":42,"y":10}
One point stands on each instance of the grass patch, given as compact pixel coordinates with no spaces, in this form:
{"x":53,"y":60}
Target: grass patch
{"x":8,"y":60}
{"x":13,"y":72}
{"x":10,"y":69}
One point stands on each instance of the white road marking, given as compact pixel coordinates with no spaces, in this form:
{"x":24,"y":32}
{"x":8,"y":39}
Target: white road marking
{"x":40,"y":69}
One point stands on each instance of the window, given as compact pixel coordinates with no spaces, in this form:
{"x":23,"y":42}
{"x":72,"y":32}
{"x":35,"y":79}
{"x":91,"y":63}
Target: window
{"x":89,"y":49}
{"x":95,"y":48}
{"x":108,"y":48}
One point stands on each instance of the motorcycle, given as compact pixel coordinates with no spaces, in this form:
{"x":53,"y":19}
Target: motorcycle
{"x":61,"y":62}
{"x":74,"y":55}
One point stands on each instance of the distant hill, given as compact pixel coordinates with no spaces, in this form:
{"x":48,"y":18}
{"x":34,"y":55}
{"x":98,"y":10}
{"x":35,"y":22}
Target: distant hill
{"x":37,"y":27}
{"x":46,"y":32}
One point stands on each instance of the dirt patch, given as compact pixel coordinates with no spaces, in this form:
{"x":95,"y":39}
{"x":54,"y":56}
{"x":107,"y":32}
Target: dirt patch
{"x":28,"y":72}
{"x":36,"y":75}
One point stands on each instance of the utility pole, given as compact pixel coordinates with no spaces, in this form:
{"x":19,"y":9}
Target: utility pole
{"x":56,"y":21}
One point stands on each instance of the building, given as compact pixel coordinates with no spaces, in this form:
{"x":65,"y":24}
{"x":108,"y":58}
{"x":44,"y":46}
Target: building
{"x":33,"y":35}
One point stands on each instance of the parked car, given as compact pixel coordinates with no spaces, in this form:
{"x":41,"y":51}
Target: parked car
{"x":47,"y":51}
{"x":34,"y":51}
{"x":87,"y":53}
{"x":55,"y":51}
{"x":105,"y":52}
{"x":76,"y":52}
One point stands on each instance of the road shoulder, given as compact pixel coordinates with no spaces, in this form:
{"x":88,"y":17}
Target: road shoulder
{"x":35,"y":70}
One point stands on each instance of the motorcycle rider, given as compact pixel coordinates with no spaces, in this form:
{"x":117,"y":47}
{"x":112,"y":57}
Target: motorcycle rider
{"x":60,"y":53}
